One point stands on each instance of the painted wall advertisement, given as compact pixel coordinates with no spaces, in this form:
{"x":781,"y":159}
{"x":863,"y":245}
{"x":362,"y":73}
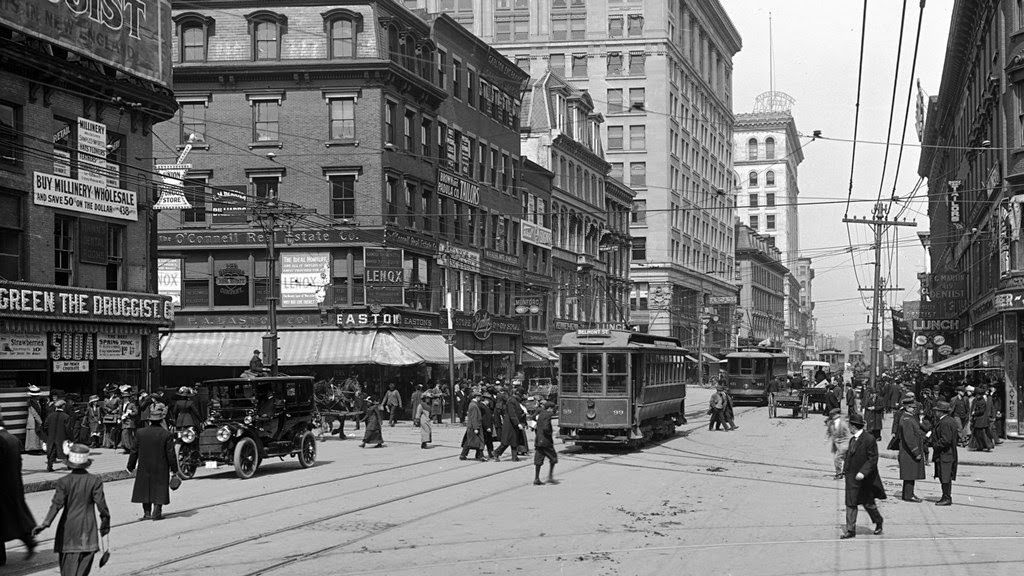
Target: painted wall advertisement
{"x":304,"y":278}
{"x":384,"y":276}
{"x":133,"y":36}
{"x":535,"y":234}
{"x":80,"y":196}
{"x":168,"y":279}
{"x":23,"y":346}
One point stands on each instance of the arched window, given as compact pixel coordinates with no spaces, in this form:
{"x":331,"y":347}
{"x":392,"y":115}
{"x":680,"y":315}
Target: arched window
{"x":266,"y":29}
{"x":752,"y":178}
{"x":194,"y":30}
{"x":769,"y":148}
{"x":769,"y":178}
{"x":343,"y":39}
{"x":752,"y":149}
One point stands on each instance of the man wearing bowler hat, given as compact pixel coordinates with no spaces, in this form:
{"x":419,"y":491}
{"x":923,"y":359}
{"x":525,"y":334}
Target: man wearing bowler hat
{"x":863,"y":485}
{"x":944,"y":441}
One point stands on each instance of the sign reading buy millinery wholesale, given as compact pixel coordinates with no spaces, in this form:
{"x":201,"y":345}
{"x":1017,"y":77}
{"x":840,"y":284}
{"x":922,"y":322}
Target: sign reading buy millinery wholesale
{"x":384,"y":275}
{"x":304,"y":278}
{"x":133,"y":36}
{"x":80,"y":196}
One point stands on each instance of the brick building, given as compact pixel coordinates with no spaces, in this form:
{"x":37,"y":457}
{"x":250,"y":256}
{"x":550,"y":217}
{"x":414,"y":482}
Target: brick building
{"x":401,"y":134}
{"x":78,"y":302}
{"x":762,"y":280}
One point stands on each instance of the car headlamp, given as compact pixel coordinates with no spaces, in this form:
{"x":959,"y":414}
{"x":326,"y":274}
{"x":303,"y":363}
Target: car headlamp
{"x":223,"y":434}
{"x":247,"y":419}
{"x":188,"y":435}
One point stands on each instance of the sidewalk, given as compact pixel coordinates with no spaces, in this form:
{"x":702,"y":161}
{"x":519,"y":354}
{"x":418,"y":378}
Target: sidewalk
{"x":107,"y":463}
{"x":1009,"y":454}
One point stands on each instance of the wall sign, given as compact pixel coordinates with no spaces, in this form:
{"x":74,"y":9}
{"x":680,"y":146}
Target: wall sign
{"x":92,"y":241}
{"x":80,"y":196}
{"x":458,"y":258}
{"x":70,"y":365}
{"x":168,"y":279}
{"x":92,"y":152}
{"x":22,"y":346}
{"x":299,"y":238}
{"x":110,"y":347}
{"x":384,"y":276}
{"x":304,"y":278}
{"x":454,"y":186}
{"x":21,"y":299}
{"x":535,"y":234}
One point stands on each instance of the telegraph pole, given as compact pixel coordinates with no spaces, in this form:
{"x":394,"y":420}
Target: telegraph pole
{"x":879,"y":222}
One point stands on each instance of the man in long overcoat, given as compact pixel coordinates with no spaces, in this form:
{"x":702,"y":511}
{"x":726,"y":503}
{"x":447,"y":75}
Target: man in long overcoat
{"x":980,"y":421}
{"x":944,"y":442}
{"x":995,"y":414}
{"x":154,"y":456}
{"x":16,"y":521}
{"x":57,"y":431}
{"x":912,"y":449}
{"x":80,"y":494}
{"x":958,"y":408}
{"x":473,"y":439}
{"x":511,"y":425}
{"x":863,"y":485}
{"x":874,"y":409}
{"x":488,"y":422}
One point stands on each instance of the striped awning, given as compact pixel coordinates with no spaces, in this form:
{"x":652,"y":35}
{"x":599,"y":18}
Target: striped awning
{"x":489,"y":352}
{"x":541,"y":353}
{"x":298,"y":348}
{"x":430,"y":346}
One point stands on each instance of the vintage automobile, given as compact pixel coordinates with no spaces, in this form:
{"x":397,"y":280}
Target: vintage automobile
{"x":249,"y":419}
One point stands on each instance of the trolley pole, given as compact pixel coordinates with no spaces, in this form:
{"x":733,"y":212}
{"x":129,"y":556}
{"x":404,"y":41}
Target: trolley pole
{"x":451,"y":351}
{"x":879,"y":222}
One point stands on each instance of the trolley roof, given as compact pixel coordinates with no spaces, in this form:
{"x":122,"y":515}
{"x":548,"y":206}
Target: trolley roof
{"x":755,"y":354}
{"x":590,"y":338}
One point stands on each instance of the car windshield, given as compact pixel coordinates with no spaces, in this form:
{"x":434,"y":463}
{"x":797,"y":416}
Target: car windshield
{"x":232,"y":395}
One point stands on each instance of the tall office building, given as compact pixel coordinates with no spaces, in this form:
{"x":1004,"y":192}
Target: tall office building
{"x":661,"y":74}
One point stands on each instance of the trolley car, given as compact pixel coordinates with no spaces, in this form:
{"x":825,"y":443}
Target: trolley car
{"x":749,"y":371}
{"x":619,"y":387}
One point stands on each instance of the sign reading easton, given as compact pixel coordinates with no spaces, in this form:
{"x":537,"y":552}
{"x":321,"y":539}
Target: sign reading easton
{"x":62,"y":303}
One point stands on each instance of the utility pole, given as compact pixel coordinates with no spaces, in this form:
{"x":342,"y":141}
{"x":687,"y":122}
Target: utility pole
{"x":879,"y":222}
{"x":268,"y":215}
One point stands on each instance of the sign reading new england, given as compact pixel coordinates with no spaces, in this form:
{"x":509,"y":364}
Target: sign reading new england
{"x":133,"y":36}
{"x":80,"y":196}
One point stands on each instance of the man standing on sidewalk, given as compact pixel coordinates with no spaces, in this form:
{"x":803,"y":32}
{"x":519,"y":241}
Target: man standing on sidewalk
{"x":56,"y":427}
{"x":863,"y":485}
{"x":16,"y":521}
{"x":944,"y":442}
{"x":392,"y":403}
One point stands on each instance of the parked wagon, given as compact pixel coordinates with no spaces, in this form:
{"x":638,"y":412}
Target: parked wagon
{"x":795,"y":399}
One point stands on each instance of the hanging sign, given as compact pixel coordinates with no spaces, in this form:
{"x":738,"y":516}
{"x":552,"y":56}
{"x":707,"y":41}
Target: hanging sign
{"x":79,"y":196}
{"x":172,"y":188}
{"x":92,"y":152}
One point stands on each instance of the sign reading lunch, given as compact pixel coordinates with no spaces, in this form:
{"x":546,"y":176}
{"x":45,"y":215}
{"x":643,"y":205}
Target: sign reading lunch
{"x":80,"y":196}
{"x":61,"y":303}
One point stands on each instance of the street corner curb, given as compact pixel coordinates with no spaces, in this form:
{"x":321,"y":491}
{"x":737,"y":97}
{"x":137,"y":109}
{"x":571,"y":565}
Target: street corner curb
{"x":970,"y":462}
{"x":44,"y":485}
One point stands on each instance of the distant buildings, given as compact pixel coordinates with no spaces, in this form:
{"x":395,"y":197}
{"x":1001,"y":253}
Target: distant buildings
{"x":762,"y":280}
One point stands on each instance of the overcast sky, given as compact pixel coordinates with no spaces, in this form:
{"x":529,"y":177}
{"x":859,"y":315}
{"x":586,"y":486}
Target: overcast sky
{"x":816,"y":55}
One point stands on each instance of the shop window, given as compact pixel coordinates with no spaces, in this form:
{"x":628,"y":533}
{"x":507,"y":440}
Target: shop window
{"x":115,"y":257}
{"x":11,"y":235}
{"x":196,"y":284}
{"x":63,"y":251}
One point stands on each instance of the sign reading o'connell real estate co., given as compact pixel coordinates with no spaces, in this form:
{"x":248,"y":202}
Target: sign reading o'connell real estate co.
{"x":133,"y":36}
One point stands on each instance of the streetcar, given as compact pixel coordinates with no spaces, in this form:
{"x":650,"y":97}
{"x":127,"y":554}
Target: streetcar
{"x":750,"y":369}
{"x":619,"y":387}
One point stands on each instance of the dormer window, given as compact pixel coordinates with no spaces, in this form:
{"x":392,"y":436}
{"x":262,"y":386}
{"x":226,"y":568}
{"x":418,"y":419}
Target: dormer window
{"x":266,"y":29}
{"x":194,"y":31}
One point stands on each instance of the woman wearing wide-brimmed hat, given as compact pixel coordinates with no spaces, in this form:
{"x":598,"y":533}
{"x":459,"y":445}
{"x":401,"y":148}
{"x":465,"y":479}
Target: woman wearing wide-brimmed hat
{"x":34,"y":424}
{"x":80,"y":494}
{"x":421,"y":414}
{"x":186,"y":412}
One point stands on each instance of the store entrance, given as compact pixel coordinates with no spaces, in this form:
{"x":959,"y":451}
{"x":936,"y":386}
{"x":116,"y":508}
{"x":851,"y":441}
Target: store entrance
{"x":78,"y":385}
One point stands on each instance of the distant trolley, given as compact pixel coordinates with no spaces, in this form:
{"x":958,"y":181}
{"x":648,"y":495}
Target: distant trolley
{"x":749,"y":370}
{"x":619,"y":387}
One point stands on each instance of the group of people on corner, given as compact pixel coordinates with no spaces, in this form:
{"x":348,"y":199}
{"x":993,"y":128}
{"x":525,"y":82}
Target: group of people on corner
{"x":919,"y":426}
{"x":720,"y":408}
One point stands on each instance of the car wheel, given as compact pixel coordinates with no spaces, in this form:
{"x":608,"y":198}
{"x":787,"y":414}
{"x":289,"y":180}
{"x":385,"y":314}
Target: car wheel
{"x":307,"y":450}
{"x":247,"y":458}
{"x":186,"y":464}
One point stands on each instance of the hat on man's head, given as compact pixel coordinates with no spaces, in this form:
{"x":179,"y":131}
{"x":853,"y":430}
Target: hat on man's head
{"x":856,"y":419}
{"x":94,"y":398}
{"x":34,"y":390}
{"x":78,"y":457}
{"x":59,"y":404}
{"x":157,"y":412}
{"x":942,"y":406}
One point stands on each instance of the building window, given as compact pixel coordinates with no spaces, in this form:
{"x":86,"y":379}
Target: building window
{"x":343,"y":195}
{"x":636,"y":25}
{"x":426,"y":208}
{"x":616,"y":171}
{"x":556,"y":63}
{"x":390,"y":113}
{"x":769,"y":178}
{"x":426,"y":137}
{"x":471,"y":91}
{"x":637,"y":137}
{"x":770,"y":221}
{"x":503,"y":30}
{"x":769,"y":148}
{"x":578,"y":26}
{"x":196,"y":194}
{"x":409,"y":129}
{"x":637,"y":64}
{"x":193,"y":121}
{"x":115,"y":256}
{"x":752,"y":178}
{"x":10,"y":134}
{"x":343,"y":118}
{"x":495,"y":162}
{"x":638,"y":174}
{"x":265,"y":120}
{"x":63,"y":251}
{"x":615,"y":26}
{"x":457,"y":79}
{"x":637,"y":99}
{"x":639,"y":251}
{"x":266,"y":40}
{"x":344,"y":38}
{"x":638,"y":212}
{"x":752,"y":149}
{"x":523,"y":63}
{"x":193,"y":43}
{"x":615,"y":137}
{"x":442,"y":69}
{"x":560,"y":28}
{"x":392,"y":200}
{"x":615,"y":64}
{"x":755,"y":222}
{"x":265,"y":187}
{"x":614,"y":100}
{"x":117,"y":160}
{"x":579,"y":65}
{"x":11,"y":229}
{"x":754,"y":201}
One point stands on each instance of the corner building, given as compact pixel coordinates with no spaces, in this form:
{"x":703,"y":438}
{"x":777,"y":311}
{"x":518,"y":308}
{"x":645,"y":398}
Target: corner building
{"x":378,"y":120}
{"x":660,"y":73}
{"x":78,"y":301}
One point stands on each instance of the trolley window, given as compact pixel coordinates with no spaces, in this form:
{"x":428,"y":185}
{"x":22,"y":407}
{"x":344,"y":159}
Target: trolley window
{"x":618,"y":373}
{"x":569,"y":375}
{"x":593,"y":376}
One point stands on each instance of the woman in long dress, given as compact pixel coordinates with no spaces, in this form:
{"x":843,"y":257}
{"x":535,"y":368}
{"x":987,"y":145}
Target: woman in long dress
{"x":372,"y":417}
{"x":34,"y":424}
{"x":421,"y":414}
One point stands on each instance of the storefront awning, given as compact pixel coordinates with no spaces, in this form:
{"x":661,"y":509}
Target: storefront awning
{"x":430,"y":346}
{"x":489,"y":352}
{"x":298,"y":348}
{"x":948,"y":364}
{"x":540,"y":354}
